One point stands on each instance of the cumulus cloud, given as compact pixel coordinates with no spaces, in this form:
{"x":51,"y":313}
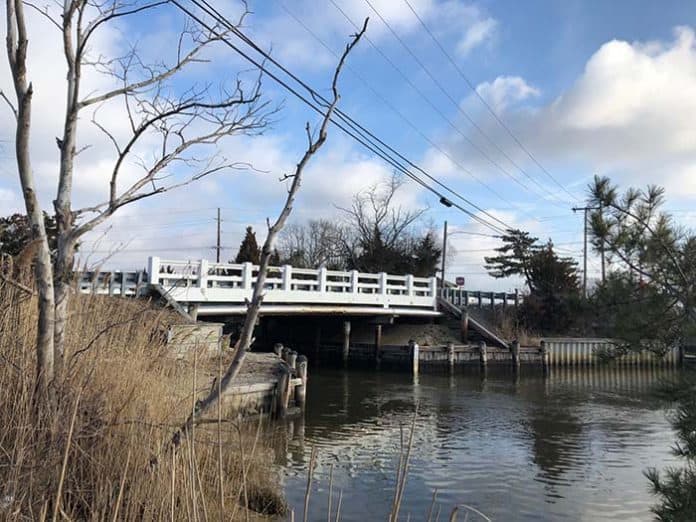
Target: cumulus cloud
{"x":505,"y":91}
{"x":629,"y":115}
{"x":479,"y":32}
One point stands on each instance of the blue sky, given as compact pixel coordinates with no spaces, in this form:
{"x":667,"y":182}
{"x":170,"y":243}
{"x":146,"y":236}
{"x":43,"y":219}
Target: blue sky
{"x":588,"y":87}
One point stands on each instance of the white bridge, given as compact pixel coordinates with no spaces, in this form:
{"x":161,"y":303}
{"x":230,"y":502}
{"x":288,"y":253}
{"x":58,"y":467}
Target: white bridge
{"x":201,"y":287}
{"x":207,"y":288}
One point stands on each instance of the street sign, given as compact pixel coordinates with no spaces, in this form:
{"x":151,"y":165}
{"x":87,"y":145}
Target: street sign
{"x":460,"y":281}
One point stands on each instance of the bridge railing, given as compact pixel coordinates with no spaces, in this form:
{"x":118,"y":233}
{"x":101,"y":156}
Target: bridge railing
{"x":466,"y":298}
{"x":201,"y":280}
{"x":114,"y":283}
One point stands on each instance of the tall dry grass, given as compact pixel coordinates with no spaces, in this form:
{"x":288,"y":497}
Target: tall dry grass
{"x":100,"y":451}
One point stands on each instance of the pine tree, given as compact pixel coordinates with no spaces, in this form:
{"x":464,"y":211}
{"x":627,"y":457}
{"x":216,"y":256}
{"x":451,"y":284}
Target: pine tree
{"x":249,"y":251}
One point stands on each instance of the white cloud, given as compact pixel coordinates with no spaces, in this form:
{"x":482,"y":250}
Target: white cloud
{"x":629,"y":115}
{"x":479,"y":32}
{"x":505,"y":91}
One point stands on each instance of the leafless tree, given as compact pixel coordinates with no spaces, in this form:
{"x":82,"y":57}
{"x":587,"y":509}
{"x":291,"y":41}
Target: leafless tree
{"x":319,"y":242}
{"x":185,"y":124}
{"x":374,"y":221}
{"x":267,"y":251}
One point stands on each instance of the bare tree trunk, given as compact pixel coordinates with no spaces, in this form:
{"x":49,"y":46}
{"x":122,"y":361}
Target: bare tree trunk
{"x":17,"y":54}
{"x":63,"y":203}
{"x":252,"y":315}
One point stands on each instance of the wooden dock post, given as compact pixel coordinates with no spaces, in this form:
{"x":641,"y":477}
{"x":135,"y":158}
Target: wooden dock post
{"x":483,"y":354}
{"x":283,"y":392}
{"x":292,"y":359}
{"x":346,"y":342}
{"x":544,"y":357}
{"x":278,"y":349}
{"x":301,"y":390}
{"x":515,"y":349}
{"x":378,"y":345}
{"x":450,"y":356}
{"x":414,"y":350}
{"x":465,"y":326}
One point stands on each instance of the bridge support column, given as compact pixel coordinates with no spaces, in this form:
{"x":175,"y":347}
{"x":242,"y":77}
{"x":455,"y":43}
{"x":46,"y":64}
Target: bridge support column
{"x":346,"y":342}
{"x":193,"y":311}
{"x":465,"y":326}
{"x":515,"y":349}
{"x":414,"y":349}
{"x":378,"y":345}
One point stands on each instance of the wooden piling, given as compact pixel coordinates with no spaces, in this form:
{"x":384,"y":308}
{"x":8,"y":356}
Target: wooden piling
{"x":450,"y":356}
{"x":301,"y":389}
{"x":483,"y":354}
{"x":515,"y":349}
{"x":292,"y":359}
{"x":465,"y":326}
{"x":346,"y":342}
{"x":283,"y":392}
{"x":378,"y":345}
{"x":414,"y":349}
{"x":544,"y":357}
{"x":278,"y":349}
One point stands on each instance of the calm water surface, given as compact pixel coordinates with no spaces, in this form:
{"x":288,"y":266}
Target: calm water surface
{"x":570,"y":447}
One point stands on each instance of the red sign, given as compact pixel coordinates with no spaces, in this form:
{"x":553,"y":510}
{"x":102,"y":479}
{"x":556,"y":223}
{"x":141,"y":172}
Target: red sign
{"x":460,"y":281}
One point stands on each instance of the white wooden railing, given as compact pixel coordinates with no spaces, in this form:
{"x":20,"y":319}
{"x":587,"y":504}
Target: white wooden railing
{"x":201,"y":281}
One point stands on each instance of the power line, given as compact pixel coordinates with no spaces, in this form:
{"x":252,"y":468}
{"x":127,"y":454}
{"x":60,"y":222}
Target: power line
{"x":447,"y":120}
{"x":439,"y":85}
{"x":350,"y":121}
{"x":360,"y":137}
{"x":485,"y":103}
{"x":395,"y":110}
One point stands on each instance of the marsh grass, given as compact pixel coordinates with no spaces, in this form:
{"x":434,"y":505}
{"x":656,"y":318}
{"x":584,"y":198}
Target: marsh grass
{"x":100,"y":450}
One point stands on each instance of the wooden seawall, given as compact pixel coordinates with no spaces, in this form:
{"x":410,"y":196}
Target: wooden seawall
{"x":552,"y":353}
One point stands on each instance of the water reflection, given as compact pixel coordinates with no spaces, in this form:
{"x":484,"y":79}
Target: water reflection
{"x":571,"y":446}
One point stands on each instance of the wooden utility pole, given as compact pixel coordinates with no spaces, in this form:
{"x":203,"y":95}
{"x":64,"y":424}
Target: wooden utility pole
{"x":217,"y":244}
{"x":584,"y":254}
{"x":444,"y":252}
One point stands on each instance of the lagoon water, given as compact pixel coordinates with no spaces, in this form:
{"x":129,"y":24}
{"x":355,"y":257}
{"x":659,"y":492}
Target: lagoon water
{"x":572,"y":446}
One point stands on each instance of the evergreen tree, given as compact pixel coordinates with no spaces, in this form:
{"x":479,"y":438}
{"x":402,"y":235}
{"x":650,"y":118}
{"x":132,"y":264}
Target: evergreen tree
{"x":554,"y":290}
{"x":15,"y":233}
{"x":249,"y":251}
{"x":427,"y":256}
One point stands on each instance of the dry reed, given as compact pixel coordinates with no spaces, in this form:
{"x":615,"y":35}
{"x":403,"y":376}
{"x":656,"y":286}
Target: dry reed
{"x":99,"y":452}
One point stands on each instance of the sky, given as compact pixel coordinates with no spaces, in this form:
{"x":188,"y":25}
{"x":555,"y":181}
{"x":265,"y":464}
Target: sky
{"x":512,"y":105}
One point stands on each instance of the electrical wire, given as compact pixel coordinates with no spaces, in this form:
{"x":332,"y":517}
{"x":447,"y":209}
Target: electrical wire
{"x":353,"y":133}
{"x":495,"y":115}
{"x":439,"y":85}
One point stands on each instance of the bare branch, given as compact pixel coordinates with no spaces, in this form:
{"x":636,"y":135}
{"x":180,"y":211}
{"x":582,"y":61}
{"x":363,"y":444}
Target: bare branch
{"x":44,"y":13}
{"x":9,"y":102}
{"x":246,"y":335}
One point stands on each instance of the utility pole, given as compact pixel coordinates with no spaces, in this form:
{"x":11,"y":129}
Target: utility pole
{"x":444,"y":253}
{"x":217,"y":245}
{"x":584,"y":255}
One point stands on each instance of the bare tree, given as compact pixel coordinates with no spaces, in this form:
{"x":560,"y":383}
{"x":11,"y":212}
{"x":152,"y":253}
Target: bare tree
{"x":186,"y":126}
{"x":267,"y":251}
{"x":375,"y":224}
{"x":317,"y":243}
